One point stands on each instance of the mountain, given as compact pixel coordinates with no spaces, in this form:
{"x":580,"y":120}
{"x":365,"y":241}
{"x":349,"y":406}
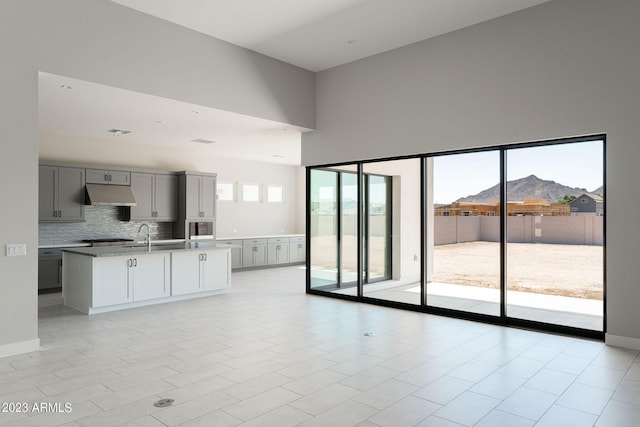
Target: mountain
{"x":530,"y":187}
{"x":598,"y":190}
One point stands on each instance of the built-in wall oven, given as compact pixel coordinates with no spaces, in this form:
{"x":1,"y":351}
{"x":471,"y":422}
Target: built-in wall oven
{"x":201,"y":231}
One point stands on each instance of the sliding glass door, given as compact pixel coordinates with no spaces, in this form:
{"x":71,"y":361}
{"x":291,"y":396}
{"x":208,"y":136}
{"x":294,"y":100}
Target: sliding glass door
{"x":392,"y":219}
{"x":555,"y":234}
{"x":511,"y":234}
{"x":323,"y":236}
{"x":464,"y":225}
{"x":334,"y":229}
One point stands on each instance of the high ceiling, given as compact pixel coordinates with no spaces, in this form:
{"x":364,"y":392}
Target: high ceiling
{"x":88,"y":111}
{"x":320,"y":34}
{"x":312,"y":34}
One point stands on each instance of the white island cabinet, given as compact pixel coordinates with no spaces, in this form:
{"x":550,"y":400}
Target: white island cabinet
{"x":196,"y":271}
{"x":119,"y":280}
{"x":96,"y":283}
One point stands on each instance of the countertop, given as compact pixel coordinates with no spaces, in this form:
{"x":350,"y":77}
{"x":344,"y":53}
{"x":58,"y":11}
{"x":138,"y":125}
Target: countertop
{"x":64,"y":245}
{"x":267,"y":236}
{"x":137,"y":249}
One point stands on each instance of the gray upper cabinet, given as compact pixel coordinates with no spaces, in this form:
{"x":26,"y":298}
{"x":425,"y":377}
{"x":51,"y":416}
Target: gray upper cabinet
{"x":166,"y":197}
{"x":156,"y":197}
{"x":199,"y":196}
{"x":61,"y":193}
{"x":104,"y":176}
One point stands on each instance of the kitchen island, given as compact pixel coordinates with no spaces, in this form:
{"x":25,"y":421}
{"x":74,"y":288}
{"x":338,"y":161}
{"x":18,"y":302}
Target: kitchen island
{"x":101,"y":279}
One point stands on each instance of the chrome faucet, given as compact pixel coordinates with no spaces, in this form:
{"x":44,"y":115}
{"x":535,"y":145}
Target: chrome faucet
{"x":148,"y":242}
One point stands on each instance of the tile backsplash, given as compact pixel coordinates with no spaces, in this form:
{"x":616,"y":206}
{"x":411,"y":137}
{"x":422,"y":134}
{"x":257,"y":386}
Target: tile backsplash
{"x":100,"y":222}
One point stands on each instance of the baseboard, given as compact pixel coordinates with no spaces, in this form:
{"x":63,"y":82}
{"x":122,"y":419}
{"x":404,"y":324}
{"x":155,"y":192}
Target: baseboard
{"x":621,"y":341}
{"x":19,"y":347}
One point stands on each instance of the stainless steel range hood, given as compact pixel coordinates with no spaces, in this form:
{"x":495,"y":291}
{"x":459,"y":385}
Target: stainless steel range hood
{"x":110,"y":195}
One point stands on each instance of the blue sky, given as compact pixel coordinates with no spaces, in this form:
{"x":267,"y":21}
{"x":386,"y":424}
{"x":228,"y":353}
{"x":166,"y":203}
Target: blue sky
{"x":574,"y":165}
{"x":459,"y":175}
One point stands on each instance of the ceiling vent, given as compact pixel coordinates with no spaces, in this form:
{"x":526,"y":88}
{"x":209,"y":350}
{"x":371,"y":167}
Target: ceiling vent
{"x":203,"y":141}
{"x":118,"y":132}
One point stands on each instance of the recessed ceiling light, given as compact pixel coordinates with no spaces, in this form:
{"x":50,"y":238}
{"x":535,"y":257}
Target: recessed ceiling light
{"x":63,"y":86}
{"x":118,"y":132}
{"x":203,"y":141}
{"x":351,"y":41}
{"x":160,"y":122}
{"x":278,"y":156}
{"x":195,"y":112}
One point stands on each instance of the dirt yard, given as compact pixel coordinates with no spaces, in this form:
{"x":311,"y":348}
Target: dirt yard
{"x":566,"y":270}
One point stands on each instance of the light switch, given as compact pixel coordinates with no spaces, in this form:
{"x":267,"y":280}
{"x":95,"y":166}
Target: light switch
{"x":16,"y":249}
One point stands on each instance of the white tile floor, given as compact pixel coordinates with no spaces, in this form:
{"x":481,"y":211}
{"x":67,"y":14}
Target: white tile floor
{"x":266,"y":354}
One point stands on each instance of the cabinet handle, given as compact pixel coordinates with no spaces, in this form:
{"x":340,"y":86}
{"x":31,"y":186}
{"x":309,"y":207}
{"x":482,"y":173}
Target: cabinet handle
{"x":59,"y":214}
{"x":129,"y":262}
{"x":135,"y":262}
{"x":55,"y":214}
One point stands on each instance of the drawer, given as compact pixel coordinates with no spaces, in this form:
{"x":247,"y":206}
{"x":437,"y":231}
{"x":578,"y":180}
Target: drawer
{"x":254,"y":242}
{"x":50,"y":253}
{"x":278,"y":240}
{"x":228,"y":242}
{"x":297,"y":239}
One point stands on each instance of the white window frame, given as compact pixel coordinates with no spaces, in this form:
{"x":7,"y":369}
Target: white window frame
{"x":283,"y":193}
{"x":234,"y":191}
{"x":258,"y":192}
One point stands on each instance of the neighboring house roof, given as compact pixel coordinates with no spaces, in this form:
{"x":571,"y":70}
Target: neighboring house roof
{"x":596,"y":197}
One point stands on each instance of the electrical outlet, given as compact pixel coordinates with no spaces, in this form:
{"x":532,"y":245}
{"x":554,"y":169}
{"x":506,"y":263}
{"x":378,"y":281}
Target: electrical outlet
{"x":16,"y":249}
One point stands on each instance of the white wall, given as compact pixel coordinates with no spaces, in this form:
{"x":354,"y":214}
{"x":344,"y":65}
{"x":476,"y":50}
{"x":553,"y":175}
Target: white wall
{"x":564,"y":68}
{"x":100,"y":41}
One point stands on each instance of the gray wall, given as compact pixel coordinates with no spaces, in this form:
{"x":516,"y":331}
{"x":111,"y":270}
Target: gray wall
{"x":100,"y":41}
{"x":563,"y":68}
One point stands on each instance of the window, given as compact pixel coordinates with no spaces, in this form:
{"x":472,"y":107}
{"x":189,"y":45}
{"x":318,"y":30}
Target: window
{"x":275,"y":194}
{"x":584,"y":201}
{"x":251,"y":193}
{"x":226,"y":191}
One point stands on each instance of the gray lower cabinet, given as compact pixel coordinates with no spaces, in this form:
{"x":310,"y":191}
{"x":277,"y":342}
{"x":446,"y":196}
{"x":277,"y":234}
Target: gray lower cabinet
{"x":247,"y":253}
{"x":278,"y":251}
{"x":254,"y":252}
{"x":61,"y":194}
{"x":156,"y":197}
{"x":49,"y":268}
{"x":236,"y":251}
{"x":297,"y":249}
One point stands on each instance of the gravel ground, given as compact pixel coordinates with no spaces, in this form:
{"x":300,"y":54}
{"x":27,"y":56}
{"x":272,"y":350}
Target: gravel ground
{"x":567,"y":270}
